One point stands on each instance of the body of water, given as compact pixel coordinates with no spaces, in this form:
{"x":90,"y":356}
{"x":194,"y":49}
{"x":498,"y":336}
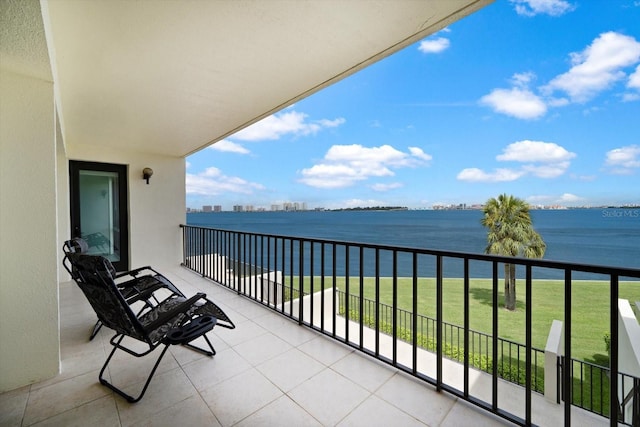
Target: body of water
{"x":586,"y":236}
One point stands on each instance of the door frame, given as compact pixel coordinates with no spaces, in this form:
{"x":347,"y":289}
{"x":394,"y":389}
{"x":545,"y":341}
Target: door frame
{"x":75,"y":167}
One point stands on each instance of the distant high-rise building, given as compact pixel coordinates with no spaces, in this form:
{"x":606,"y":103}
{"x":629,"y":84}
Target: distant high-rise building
{"x":207,"y":208}
{"x":217,"y":208}
{"x":238,"y":208}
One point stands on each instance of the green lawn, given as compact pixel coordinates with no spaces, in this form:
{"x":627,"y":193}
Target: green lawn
{"x":590,"y":307}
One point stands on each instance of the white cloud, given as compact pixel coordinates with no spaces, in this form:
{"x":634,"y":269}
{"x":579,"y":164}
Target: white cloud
{"x":623,"y":160}
{"x":517,"y":102}
{"x":551,"y":170}
{"x":344,"y":165}
{"x":386,"y":187}
{"x":593,"y":70}
{"x":229,"y":147}
{"x":213,"y":182}
{"x":569,"y":198}
{"x":563,"y":199}
{"x":420,"y":154}
{"x":287,"y":123}
{"x":548,"y":7}
{"x":597,"y":67}
{"x":535,"y":151}
{"x":542,"y":159}
{"x":356,"y":203}
{"x":633,"y":83}
{"x":634,"y":79}
{"x":499,"y":175}
{"x":434,"y":45}
{"x":522,"y":80}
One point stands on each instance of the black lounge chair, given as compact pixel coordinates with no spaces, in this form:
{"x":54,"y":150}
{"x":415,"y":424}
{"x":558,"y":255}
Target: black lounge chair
{"x":139,"y":284}
{"x":175,"y":320}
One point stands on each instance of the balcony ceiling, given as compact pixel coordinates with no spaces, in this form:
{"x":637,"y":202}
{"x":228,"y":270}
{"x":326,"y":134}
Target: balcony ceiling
{"x":172,"y":77}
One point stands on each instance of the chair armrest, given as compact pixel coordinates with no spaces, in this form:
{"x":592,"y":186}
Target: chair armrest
{"x":133,"y":273}
{"x":173,"y":312}
{"x":194,"y":329}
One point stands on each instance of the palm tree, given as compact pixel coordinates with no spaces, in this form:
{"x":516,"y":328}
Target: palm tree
{"x":511,"y":233}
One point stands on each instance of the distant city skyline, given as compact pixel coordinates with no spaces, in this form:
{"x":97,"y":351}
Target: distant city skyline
{"x":301,"y":207}
{"x":535,"y":99}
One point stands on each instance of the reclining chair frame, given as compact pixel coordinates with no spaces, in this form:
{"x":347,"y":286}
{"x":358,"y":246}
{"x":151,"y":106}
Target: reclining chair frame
{"x":175,"y":320}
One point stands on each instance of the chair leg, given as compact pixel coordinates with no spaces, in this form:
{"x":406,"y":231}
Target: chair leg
{"x":129,"y":398}
{"x":96,"y":329}
{"x":202,"y":350}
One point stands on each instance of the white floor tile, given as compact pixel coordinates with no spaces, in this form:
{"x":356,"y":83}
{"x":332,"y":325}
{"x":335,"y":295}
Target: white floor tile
{"x":290,"y":369}
{"x":375,"y":412}
{"x":240,"y":396}
{"x":328,"y":396}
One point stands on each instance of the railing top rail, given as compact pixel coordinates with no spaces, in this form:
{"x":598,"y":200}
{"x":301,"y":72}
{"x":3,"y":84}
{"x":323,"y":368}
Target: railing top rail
{"x":557,"y":265}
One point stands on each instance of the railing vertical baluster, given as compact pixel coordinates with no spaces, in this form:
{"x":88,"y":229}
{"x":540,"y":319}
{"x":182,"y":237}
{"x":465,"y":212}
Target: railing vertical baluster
{"x":466,"y":328}
{"x":210,"y":253}
{"x":291,"y":275}
{"x":591,"y":388}
{"x":183,"y":231}
{"x":377,"y":302}
{"x":528,"y":341}
{"x":311,"y":284}
{"x":613,"y":349}
{"x":270,"y":272}
{"x":348,"y":294}
{"x":322,"y":285}
{"x":439,"y":322}
{"x":334,"y":312}
{"x":494,"y":338}
{"x":217,"y":261}
{"x":244,"y":261}
{"x":414,"y":320}
{"x":275,"y":270}
{"x":284,"y":275}
{"x":566,"y":369}
{"x":300,"y":282}
{"x":254,"y":267}
{"x":262,"y":270}
{"x":361,"y":291}
{"x":395,"y":307}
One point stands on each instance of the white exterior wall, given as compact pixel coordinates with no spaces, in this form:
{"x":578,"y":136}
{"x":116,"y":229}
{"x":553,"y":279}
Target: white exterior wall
{"x":155,"y":210}
{"x":34,"y":222}
{"x":64,"y":218}
{"x":29,"y":323}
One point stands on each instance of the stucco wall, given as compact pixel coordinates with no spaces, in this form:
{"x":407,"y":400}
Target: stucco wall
{"x":64,"y":219}
{"x":29,"y":325}
{"x":155,"y":210}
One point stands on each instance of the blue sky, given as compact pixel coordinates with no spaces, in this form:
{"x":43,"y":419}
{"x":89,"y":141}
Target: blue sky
{"x":535,"y":98}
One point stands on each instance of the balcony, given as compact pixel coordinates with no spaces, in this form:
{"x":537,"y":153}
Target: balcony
{"x":267,"y":370}
{"x":278,"y":364}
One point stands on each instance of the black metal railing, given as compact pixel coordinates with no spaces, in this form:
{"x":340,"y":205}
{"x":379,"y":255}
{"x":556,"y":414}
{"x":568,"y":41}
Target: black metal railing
{"x":511,"y":364}
{"x":286,"y":267}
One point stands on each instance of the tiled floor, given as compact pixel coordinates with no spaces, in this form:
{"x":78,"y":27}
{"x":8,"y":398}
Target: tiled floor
{"x":267,"y":372}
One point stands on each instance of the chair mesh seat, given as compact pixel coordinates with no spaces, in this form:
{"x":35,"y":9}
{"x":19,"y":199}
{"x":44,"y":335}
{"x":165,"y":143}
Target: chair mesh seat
{"x":166,"y":306}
